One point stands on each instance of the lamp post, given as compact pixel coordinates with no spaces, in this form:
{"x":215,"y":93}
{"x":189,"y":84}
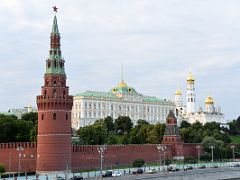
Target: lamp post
{"x":19,"y":149}
{"x":233,"y":152}
{"x":161,"y":148}
{"x":101,"y":151}
{"x":212,"y":147}
{"x":198,"y":150}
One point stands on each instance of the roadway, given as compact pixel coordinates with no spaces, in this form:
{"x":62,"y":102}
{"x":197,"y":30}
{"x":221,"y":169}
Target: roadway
{"x":222,"y":173}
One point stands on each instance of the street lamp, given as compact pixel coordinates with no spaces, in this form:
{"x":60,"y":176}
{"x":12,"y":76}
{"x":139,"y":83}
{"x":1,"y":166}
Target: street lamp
{"x":161,"y":148}
{"x":19,"y":149}
{"x":212,"y":147}
{"x":233,"y":153}
{"x":198,"y":150}
{"x":101,"y":151}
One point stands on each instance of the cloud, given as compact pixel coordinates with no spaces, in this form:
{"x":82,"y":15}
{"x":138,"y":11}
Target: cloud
{"x":157,"y":41}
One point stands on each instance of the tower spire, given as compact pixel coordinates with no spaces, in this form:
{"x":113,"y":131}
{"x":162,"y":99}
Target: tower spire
{"x":55,"y":62}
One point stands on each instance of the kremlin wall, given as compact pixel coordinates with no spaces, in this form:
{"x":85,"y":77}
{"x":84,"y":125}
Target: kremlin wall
{"x":87,"y":157}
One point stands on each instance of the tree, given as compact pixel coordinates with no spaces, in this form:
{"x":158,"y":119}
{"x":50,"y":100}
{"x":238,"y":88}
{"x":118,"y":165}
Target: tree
{"x":185,"y":124}
{"x":219,"y":147}
{"x":93,"y":134}
{"x":2,"y":169}
{"x":123,"y":124}
{"x":108,"y":122}
{"x":32,"y":117}
{"x":138,"y":163}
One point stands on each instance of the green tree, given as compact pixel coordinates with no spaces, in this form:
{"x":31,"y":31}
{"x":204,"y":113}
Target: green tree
{"x":123,"y":124}
{"x":32,"y":117}
{"x":138,"y":163}
{"x":185,"y":124}
{"x":2,"y":169}
{"x":219,"y":147}
{"x":93,"y":134}
{"x":108,"y":122}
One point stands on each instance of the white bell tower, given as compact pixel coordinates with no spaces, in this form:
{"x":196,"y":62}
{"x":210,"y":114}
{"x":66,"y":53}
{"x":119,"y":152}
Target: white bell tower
{"x":191,"y":97}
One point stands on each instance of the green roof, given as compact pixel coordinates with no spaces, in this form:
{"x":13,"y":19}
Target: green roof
{"x":98,"y":94}
{"x":156,"y":100}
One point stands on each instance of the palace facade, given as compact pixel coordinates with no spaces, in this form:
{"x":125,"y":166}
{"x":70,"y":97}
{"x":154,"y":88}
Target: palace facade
{"x":121,"y":100}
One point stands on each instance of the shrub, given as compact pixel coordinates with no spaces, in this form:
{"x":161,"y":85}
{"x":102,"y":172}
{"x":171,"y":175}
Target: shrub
{"x":190,"y":159}
{"x":2,"y":169}
{"x":138,"y":163}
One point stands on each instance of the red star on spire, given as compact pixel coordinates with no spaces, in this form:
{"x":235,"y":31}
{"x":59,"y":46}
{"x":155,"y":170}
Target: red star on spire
{"x":55,"y":9}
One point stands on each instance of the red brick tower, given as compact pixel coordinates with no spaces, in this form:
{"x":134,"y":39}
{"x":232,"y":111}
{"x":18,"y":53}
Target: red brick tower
{"x":54,"y":112}
{"x":172,"y":136}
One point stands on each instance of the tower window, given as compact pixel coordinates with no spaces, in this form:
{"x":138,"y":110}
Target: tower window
{"x":42,"y":116}
{"x":54,"y":93}
{"x":54,"y":116}
{"x":55,"y":83}
{"x":66,"y":116}
{"x":45,"y":92}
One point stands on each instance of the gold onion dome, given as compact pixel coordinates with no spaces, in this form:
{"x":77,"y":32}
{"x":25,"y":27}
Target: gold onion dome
{"x":209,"y":100}
{"x":190,"y":77}
{"x":122,"y":84}
{"x":178,"y":92}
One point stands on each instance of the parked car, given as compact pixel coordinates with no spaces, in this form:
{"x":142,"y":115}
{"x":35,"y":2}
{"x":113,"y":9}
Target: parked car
{"x":107,"y":174}
{"x":172,"y":168}
{"x":77,"y":178}
{"x":151,"y":171}
{"x":202,"y":167}
{"x":137,"y":171}
{"x":189,"y":168}
{"x":116,"y":174}
{"x":58,"y":178}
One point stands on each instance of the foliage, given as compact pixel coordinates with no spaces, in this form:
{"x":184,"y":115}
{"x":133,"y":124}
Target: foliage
{"x":234,"y":127}
{"x":93,"y":134}
{"x":185,"y":124}
{"x":31,"y":117}
{"x":235,"y":139}
{"x":138,"y":163}
{"x":2,"y":169}
{"x":123,"y":124}
{"x":220,"y":150}
{"x":190,"y":159}
{"x":16,"y":130}
{"x":108,"y":122}
{"x":196,"y":132}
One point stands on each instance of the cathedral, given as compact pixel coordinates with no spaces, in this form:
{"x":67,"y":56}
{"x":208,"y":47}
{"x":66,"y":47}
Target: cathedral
{"x":187,"y":111}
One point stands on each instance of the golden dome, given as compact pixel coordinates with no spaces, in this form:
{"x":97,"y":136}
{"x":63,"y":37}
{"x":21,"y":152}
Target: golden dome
{"x":178,"y":92}
{"x":209,"y":100}
{"x":122,"y":84}
{"x":190,"y":77}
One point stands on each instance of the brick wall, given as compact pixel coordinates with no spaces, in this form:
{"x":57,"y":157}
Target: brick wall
{"x":87,"y":157}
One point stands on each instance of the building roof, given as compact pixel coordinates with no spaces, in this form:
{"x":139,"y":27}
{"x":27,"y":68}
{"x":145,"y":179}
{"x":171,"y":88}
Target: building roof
{"x":118,"y":92}
{"x":209,"y":100}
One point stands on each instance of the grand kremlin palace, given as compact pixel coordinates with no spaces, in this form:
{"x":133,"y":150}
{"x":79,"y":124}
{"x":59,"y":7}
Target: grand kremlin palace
{"x":121,"y":100}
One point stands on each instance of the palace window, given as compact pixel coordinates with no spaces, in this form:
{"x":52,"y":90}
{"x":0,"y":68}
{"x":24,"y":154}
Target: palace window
{"x":66,"y":116}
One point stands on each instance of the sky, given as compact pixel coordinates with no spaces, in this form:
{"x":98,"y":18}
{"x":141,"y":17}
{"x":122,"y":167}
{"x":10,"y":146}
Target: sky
{"x":157,"y":41}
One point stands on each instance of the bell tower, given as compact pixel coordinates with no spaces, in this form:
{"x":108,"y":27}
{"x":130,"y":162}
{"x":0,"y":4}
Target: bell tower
{"x":54,"y":111}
